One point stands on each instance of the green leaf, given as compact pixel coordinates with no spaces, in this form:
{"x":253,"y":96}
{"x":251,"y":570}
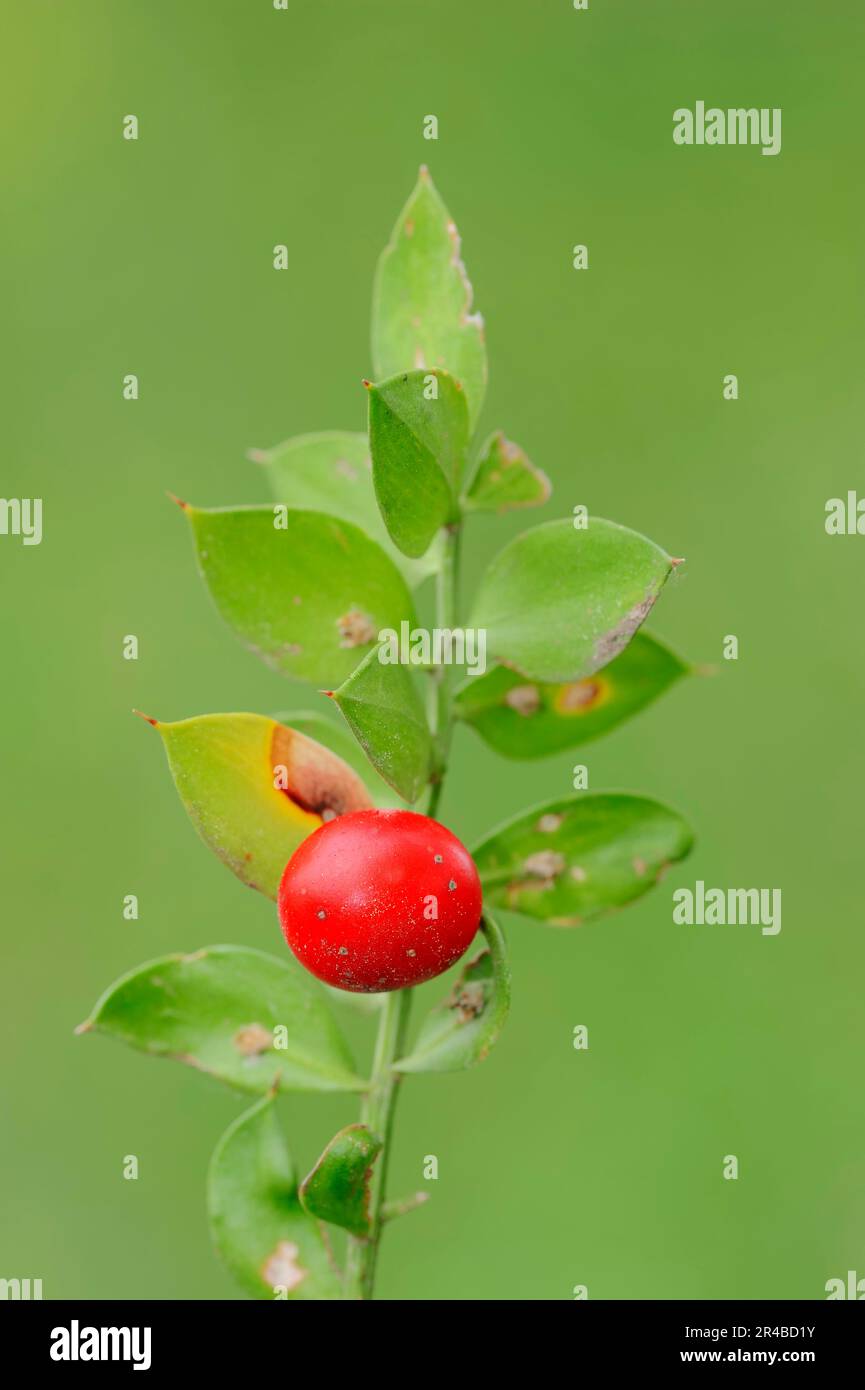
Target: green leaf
{"x":418,"y":449}
{"x":217,"y":1009}
{"x":559,"y":603}
{"x":422,"y":299}
{"x":337,"y":1190}
{"x":366,"y":1004}
{"x":332,"y":472}
{"x":306,"y":592}
{"x":270,"y":1244}
{"x":530,"y":719}
{"x":573,"y":859}
{"x":505,"y":478}
{"x":339,"y":740}
{"x":255,"y":789}
{"x":386,"y":716}
{"x":462,"y":1029}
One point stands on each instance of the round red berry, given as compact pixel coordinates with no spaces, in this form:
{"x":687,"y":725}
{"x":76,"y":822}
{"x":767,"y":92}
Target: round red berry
{"x":377,"y":900}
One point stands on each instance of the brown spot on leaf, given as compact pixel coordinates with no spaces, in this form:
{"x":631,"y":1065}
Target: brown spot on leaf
{"x":316,"y":779}
{"x":578,"y":874}
{"x":468,"y":1000}
{"x":525,"y":699}
{"x":355,"y":628}
{"x":579,"y":697}
{"x":281,"y":1269}
{"x":639,"y":867}
{"x":345,"y":470}
{"x":252,"y":1040}
{"x":613,"y":642}
{"x":549,"y":823}
{"x":546,"y":864}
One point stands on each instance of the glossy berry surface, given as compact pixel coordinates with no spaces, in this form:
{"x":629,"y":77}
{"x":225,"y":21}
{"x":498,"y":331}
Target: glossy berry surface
{"x":377,"y":900}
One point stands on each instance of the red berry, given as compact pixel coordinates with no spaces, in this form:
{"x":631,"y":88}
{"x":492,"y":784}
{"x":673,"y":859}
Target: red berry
{"x":377,"y":900}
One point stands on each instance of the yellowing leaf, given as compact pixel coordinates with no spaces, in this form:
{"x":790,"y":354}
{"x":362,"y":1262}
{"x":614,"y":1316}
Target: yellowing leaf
{"x":254,"y":789}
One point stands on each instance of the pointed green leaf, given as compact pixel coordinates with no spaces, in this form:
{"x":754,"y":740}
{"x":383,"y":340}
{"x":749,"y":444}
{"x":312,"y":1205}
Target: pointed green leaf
{"x":573,"y":859}
{"x":255,"y":789}
{"x":332,"y":472}
{"x":270,"y":1244}
{"x":530,"y":719}
{"x":341,"y":741}
{"x":559,"y":603}
{"x":386,"y":716}
{"x":505,"y":478}
{"x":306,"y":592}
{"x":418,"y":448}
{"x":422,"y":299}
{"x":237,"y":1014}
{"x":461,"y":1030}
{"x":337,"y":1190}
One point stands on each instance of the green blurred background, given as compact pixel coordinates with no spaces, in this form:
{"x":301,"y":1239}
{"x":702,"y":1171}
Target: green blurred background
{"x":556,"y":1167}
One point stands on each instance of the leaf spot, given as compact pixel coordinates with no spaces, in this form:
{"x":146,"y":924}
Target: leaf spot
{"x":613,"y":642}
{"x":525,"y":699}
{"x":579,"y":697}
{"x":281,"y":1270}
{"x":355,"y":628}
{"x":469,"y":1001}
{"x":252,"y":1040}
{"x":548,"y":824}
{"x":546,"y":864}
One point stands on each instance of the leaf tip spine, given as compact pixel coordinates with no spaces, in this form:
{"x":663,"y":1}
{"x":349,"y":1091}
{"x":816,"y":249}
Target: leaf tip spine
{"x":147,"y":718}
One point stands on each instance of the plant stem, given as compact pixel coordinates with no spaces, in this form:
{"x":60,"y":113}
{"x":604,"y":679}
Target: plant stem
{"x":447,"y":585}
{"x":377,"y":1112}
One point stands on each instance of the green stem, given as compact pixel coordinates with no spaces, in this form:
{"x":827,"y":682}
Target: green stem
{"x":447,"y":586}
{"x":377,"y":1112}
